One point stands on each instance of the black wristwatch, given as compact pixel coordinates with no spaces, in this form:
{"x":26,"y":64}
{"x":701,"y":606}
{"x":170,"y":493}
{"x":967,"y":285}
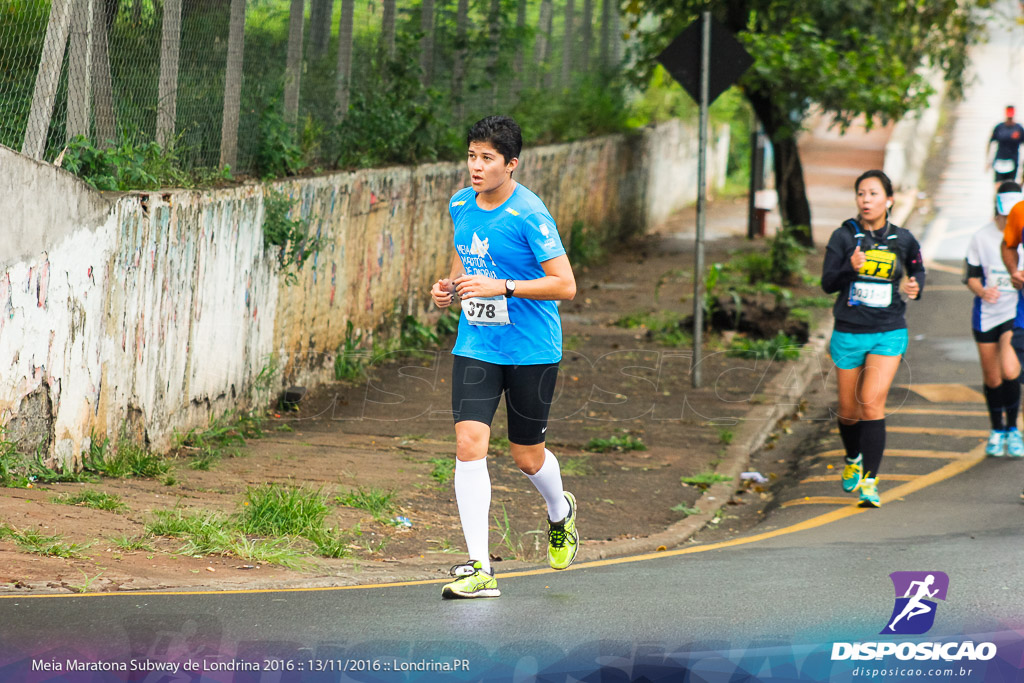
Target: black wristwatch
{"x":510,"y":288}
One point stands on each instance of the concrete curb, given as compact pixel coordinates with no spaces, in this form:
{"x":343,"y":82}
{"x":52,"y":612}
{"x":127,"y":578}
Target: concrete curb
{"x":786,"y":387}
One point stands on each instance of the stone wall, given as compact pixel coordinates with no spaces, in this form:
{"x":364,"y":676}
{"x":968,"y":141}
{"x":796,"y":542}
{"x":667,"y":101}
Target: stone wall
{"x":148,"y":313}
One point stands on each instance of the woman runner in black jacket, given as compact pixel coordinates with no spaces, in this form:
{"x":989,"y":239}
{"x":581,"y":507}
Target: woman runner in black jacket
{"x":865,"y":261}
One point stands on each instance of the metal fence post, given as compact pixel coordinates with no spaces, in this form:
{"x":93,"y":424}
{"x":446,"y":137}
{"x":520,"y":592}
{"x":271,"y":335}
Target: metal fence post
{"x":233,"y":85}
{"x":170,"y":48}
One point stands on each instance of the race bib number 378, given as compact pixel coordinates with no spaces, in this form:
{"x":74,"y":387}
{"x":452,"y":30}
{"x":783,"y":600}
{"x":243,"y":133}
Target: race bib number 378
{"x":490,"y":311}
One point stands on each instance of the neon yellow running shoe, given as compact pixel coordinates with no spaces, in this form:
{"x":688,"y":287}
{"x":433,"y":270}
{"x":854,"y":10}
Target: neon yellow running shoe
{"x":852,"y":474}
{"x":472,"y":582}
{"x":869,"y":494}
{"x":563,"y":540}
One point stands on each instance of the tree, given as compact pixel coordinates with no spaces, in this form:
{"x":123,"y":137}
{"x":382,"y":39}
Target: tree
{"x":856,"y":58}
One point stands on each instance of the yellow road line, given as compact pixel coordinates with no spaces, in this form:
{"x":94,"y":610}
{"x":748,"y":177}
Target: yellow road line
{"x":938,"y":431}
{"x":946,"y":393}
{"x":939,"y":411}
{"x":838,"y":477}
{"x":905,"y":453}
{"x":819,"y":500}
{"x":958,"y":466}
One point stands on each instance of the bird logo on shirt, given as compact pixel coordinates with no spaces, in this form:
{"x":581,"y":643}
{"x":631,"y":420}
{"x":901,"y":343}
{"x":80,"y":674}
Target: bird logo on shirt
{"x":481,"y":248}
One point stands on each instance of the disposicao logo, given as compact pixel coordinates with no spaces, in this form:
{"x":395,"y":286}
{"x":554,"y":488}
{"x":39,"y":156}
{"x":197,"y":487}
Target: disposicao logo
{"x":916,"y":592}
{"x":914,"y":614}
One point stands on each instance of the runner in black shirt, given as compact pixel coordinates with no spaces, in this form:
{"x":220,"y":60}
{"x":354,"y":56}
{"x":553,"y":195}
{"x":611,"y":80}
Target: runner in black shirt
{"x":865,"y":261}
{"x":1007,"y":137}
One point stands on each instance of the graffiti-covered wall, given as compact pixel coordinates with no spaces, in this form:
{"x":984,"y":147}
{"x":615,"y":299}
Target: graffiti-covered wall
{"x":152,"y":312}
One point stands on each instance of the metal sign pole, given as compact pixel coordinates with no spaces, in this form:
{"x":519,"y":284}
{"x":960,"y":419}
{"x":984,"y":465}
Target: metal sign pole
{"x":698,"y":269}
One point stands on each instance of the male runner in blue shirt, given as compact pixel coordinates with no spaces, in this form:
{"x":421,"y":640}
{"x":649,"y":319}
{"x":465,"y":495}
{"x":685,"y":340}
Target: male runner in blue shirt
{"x":509,"y":269}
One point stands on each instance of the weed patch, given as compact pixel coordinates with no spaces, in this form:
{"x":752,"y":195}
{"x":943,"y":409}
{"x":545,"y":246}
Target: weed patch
{"x":273,"y":510}
{"x":98,"y":500}
{"x":377,"y":502}
{"x":780,"y":347}
{"x":576,"y":467}
{"x":705,"y":479}
{"x":615,"y":443}
{"x":38,"y":543}
{"x":442,"y":470}
{"x":127,"y":460}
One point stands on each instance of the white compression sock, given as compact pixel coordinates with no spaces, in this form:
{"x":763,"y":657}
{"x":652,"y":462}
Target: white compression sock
{"x":473,"y":495}
{"x":548,"y":481}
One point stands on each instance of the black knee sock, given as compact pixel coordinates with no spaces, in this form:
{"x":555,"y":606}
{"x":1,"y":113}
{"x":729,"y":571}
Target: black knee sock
{"x":850,"y":434}
{"x":872,"y":445}
{"x":993,"y":399}
{"x":1011,"y":401}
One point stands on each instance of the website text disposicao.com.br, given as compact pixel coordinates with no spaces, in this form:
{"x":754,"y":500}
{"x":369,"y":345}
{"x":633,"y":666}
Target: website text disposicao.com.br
{"x":912,"y":672}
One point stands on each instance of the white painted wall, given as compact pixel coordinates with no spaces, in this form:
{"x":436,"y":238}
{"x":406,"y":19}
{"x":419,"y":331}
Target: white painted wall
{"x":158,"y":310}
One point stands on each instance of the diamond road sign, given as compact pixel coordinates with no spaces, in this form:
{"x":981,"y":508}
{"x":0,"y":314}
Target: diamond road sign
{"x":729,"y":60}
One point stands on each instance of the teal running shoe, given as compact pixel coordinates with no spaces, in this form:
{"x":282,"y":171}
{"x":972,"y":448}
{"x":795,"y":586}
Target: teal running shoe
{"x":852,"y":474}
{"x":869,"y":494}
{"x":996,"y":446}
{"x":1014,"y":443}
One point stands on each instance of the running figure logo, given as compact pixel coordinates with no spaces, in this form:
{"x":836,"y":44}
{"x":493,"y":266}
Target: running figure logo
{"x":916,"y":592}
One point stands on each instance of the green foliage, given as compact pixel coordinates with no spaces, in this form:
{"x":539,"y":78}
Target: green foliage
{"x":513,"y":542}
{"x":665,"y":327}
{"x":415,"y":336}
{"x":447,"y":324}
{"x":685,"y":509}
{"x":131,"y":543}
{"x":279,"y":551}
{"x":134,"y":166}
{"x":178,"y":523}
{"x":780,"y":347}
{"x":592,"y":106}
{"x":584,"y":249}
{"x":274,"y":510}
{"x":332,"y":543}
{"x":626,"y":442}
{"x":852,"y":59}
{"x":576,"y":467}
{"x":223,"y":437}
{"x":704,"y":479}
{"x":290,"y":236}
{"x":866,"y":59}
{"x":813,"y":302}
{"x":98,"y":500}
{"x":393,"y":118}
{"x":21,"y":471}
{"x":38,"y":543}
{"x":128,"y":459}
{"x":350,"y":363}
{"x":377,"y":502}
{"x":279,"y":154}
{"x":726,"y":436}
{"x":442,"y":469}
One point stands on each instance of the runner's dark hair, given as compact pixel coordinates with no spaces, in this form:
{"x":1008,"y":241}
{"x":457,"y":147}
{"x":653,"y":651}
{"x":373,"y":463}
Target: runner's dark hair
{"x":875,"y":173}
{"x":1008,"y":186}
{"x":502,"y":132}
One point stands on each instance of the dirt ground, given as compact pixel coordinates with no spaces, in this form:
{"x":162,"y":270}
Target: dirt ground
{"x":391,"y":434}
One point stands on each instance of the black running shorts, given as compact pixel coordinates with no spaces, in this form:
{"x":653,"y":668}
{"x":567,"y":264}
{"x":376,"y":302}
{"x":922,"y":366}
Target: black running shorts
{"x":477,"y":388}
{"x":992,"y":336}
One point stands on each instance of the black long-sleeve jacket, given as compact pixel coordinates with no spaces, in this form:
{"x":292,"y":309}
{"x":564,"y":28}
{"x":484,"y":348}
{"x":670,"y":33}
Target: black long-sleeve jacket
{"x":869,"y":300}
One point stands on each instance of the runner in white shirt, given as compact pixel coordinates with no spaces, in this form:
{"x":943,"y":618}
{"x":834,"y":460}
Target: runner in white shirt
{"x":992,"y":318}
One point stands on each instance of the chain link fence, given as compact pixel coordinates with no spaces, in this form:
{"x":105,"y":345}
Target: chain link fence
{"x":266,"y":86}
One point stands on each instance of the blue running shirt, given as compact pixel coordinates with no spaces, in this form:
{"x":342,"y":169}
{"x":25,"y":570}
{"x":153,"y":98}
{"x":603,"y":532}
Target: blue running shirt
{"x":509,"y":243}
